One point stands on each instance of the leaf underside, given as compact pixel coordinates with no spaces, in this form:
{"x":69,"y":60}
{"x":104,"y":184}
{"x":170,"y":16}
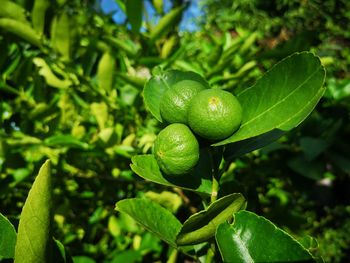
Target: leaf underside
{"x":200,"y":227}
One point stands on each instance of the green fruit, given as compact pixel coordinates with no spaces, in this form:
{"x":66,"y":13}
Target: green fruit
{"x":175,"y":101}
{"x":214,"y":114}
{"x":176,"y":149}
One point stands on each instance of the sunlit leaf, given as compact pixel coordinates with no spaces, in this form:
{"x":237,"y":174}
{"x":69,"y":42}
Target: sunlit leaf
{"x":201,"y":226}
{"x":153,"y":217}
{"x":252,"y":238}
{"x":282,"y":98}
{"x":167,"y":22}
{"x":34,"y":236}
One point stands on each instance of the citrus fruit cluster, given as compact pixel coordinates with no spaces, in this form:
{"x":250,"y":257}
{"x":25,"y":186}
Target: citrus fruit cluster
{"x":192,"y":109}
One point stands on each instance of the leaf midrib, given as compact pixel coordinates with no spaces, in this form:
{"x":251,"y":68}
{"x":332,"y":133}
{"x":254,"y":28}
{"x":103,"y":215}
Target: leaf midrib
{"x":282,"y":100}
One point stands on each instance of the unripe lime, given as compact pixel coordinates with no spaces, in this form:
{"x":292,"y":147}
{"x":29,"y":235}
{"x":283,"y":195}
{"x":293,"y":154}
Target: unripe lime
{"x":176,"y":149}
{"x":175,"y":101}
{"x":214,"y":114}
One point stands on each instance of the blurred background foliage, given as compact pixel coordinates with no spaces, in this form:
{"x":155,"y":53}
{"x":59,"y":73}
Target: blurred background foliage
{"x":71,"y":90}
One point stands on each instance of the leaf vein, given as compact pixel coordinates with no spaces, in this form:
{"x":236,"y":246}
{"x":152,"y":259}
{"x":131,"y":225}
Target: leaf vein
{"x":283,"y":100}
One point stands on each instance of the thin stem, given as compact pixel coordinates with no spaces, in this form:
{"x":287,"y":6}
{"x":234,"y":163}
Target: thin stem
{"x":215,"y":161}
{"x":218,"y":167}
{"x":173,"y":256}
{"x":210,"y":255}
{"x":214,"y":189}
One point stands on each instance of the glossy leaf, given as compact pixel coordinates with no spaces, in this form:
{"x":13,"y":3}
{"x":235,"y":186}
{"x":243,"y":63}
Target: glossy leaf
{"x":7,"y":238}
{"x":201,"y":226}
{"x":199,"y":180}
{"x":153,"y":217}
{"x":282,"y":98}
{"x":134,"y":10}
{"x":252,"y":238}
{"x":33,"y":239}
{"x":161,"y":82}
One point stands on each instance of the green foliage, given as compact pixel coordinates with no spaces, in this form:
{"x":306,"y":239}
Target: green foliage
{"x":198,"y":180}
{"x":200,"y":227}
{"x":34,"y":230}
{"x":7,"y":238}
{"x":254,"y":239}
{"x":153,"y":217}
{"x":296,"y":84}
{"x":71,"y":89}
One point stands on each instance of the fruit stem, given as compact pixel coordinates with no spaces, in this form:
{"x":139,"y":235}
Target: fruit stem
{"x":216,"y":157}
{"x":214,"y":189}
{"x":173,"y":256}
{"x":216,"y":161}
{"x":210,"y":254}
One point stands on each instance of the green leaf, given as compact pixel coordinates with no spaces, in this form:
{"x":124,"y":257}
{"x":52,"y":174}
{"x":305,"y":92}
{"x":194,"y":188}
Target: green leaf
{"x":161,"y":82}
{"x":234,"y":150}
{"x":127,"y":256}
{"x":133,"y":80}
{"x":134,"y":10}
{"x":50,"y":78}
{"x":38,"y":14}
{"x":199,"y":180}
{"x":61,"y":35}
{"x":59,"y":253}
{"x":100,"y":112}
{"x":21,"y":30}
{"x":126,"y":45}
{"x":166,"y":23}
{"x":7,"y":238}
{"x":282,"y":98}
{"x":201,"y":226}
{"x":169,"y":200}
{"x":312,"y":147}
{"x":121,"y":5}
{"x":153,"y":217}
{"x":33,"y":239}
{"x":252,"y":238}
{"x":83,"y":259}
{"x":105,"y":72}
{"x":310,"y":169}
{"x":10,"y":9}
{"x":66,"y":141}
